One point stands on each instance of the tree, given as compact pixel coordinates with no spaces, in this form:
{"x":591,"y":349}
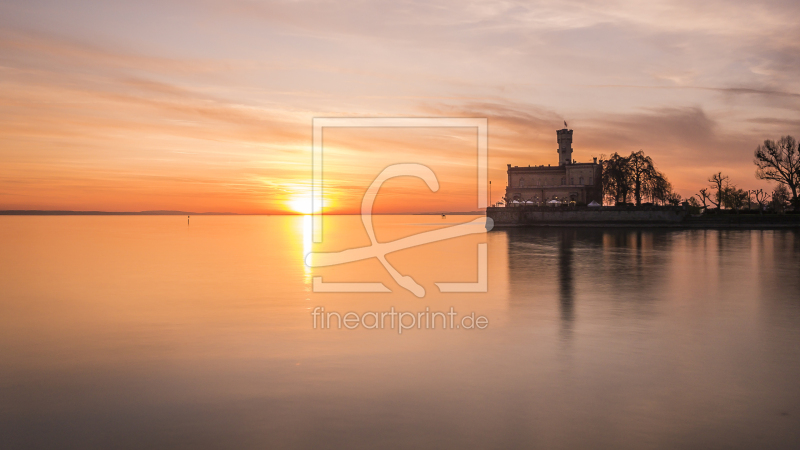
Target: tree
{"x":635,"y":174}
{"x":694,"y":203}
{"x":642,"y":173}
{"x":616,"y":178}
{"x":741,"y":198}
{"x":761,"y":198}
{"x":733,"y":198}
{"x":674,"y":198}
{"x":780,"y":198}
{"x":780,"y":161}
{"x":724,"y":197}
{"x":718,"y":182}
{"x":704,"y":197}
{"x":659,"y":188}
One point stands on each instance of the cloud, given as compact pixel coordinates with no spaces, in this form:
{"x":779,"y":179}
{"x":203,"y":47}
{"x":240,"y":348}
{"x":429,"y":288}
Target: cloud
{"x":216,"y":98}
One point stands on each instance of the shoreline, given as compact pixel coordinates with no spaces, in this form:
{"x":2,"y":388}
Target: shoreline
{"x":709,"y":226}
{"x":674,"y":217}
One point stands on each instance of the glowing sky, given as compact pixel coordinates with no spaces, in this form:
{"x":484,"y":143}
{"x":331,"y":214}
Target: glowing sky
{"x":207,"y":105}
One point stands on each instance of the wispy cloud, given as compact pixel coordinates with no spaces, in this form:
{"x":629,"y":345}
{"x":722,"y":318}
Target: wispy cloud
{"x":208,"y":105}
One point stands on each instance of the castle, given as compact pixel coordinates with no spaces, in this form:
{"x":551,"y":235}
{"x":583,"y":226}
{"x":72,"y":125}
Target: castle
{"x":568,"y":182}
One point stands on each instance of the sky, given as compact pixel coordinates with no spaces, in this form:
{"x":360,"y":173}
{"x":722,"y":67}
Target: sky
{"x":207,"y":105}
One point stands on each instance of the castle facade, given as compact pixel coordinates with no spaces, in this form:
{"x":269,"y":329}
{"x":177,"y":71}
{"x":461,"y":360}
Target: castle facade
{"x":568,"y":182}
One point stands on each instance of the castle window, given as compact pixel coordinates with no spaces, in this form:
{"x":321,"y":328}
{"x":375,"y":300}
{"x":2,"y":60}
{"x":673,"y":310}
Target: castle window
{"x":590,"y":181}
{"x":521,"y":182}
{"x":563,"y":180}
{"x":572,"y":181}
{"x":580,"y":180}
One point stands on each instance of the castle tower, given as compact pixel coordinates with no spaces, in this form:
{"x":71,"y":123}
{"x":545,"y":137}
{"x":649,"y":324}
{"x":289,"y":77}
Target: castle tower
{"x":564,"y":147}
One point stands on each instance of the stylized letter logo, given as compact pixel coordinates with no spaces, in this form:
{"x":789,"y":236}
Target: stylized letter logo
{"x":381,"y":249}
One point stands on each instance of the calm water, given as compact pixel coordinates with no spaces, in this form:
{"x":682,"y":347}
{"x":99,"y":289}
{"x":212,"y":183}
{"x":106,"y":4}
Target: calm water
{"x":143,"y":332}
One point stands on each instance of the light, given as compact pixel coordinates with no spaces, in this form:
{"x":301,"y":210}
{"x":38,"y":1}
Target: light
{"x":302,"y":204}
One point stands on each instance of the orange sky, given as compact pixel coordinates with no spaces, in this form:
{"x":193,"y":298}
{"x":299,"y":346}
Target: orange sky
{"x":207,"y":106}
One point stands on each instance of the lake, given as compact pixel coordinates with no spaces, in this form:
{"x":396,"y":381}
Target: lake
{"x":148,"y":332}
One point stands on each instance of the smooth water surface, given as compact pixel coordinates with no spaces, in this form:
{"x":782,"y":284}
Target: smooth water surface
{"x":143,"y":332}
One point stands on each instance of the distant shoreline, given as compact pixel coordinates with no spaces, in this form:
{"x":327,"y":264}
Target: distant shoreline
{"x":22,"y":212}
{"x":33,"y":212}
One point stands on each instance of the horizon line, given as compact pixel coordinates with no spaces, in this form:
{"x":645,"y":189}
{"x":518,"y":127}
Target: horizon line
{"x":43,"y":212}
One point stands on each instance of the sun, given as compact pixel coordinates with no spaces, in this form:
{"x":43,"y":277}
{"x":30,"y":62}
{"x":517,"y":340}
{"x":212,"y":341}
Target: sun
{"x":302,"y":205}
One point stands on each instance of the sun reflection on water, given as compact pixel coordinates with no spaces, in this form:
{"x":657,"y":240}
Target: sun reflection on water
{"x":307,"y":247}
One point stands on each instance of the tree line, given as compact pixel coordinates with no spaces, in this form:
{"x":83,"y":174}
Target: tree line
{"x":633,"y":179}
{"x":775,"y":161}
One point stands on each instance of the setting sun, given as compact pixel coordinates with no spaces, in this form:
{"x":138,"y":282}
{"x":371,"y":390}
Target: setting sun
{"x":302,"y":205}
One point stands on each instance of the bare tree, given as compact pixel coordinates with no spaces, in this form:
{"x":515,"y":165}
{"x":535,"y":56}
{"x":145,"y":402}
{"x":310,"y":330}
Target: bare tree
{"x":718,"y":182}
{"x":761,"y":198}
{"x":704,"y":196}
{"x":780,"y":161}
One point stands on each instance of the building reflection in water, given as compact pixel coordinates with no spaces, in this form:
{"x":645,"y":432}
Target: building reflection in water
{"x":543,"y":267}
{"x":566,"y":283}
{"x":621,"y":268}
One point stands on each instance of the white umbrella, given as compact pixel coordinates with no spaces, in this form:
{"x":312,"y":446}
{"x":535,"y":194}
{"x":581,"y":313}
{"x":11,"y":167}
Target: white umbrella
{"x":594,"y":203}
{"x":554,"y":202}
